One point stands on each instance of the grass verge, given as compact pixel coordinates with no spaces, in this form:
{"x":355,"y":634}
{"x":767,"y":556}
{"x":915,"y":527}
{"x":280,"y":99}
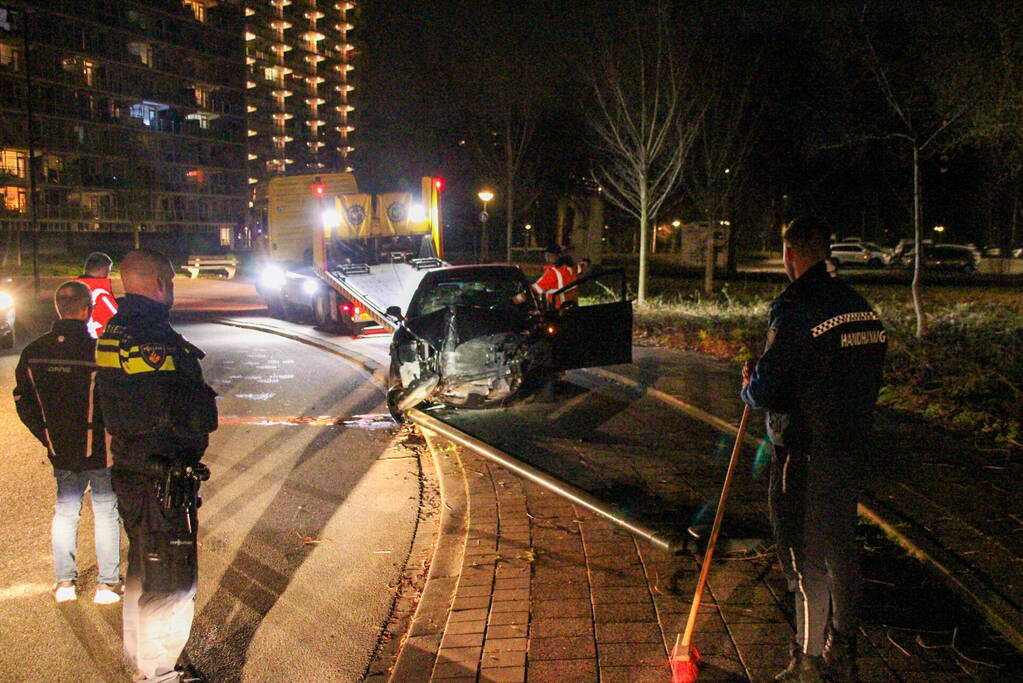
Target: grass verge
{"x":966,"y":373}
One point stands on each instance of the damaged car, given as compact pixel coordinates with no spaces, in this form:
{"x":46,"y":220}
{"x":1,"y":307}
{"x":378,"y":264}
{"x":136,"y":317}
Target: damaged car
{"x":479,"y":337}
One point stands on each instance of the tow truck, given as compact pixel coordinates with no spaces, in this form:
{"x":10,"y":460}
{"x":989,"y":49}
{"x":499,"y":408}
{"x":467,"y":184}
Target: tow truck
{"x":343,"y":257}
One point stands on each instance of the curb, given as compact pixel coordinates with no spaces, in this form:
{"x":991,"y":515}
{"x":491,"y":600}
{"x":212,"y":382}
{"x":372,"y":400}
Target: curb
{"x":418,"y":652}
{"x":959,"y":576}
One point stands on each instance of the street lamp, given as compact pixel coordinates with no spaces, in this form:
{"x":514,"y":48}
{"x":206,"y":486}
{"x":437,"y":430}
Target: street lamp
{"x":485,"y":197}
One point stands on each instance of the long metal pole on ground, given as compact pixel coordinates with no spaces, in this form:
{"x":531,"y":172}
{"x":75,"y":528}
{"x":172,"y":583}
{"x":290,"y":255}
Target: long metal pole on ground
{"x":567,"y":491}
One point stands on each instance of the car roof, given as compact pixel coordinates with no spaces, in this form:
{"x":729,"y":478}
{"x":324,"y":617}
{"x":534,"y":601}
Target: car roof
{"x":473,"y":272}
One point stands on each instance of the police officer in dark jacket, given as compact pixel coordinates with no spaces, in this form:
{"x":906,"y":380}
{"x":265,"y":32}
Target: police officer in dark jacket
{"x":818,"y":380}
{"x":159,"y":412}
{"x":56,"y":399}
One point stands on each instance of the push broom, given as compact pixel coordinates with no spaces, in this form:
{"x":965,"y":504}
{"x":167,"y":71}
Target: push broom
{"x":684,"y":656}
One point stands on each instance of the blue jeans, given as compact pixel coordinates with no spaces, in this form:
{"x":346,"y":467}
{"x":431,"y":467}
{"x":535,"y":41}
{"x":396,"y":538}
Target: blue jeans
{"x":70,"y":491}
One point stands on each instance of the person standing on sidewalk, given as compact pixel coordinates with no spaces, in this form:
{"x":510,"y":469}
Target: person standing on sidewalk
{"x":97,"y":278}
{"x":159,"y":412}
{"x":818,"y":380}
{"x":56,"y":399}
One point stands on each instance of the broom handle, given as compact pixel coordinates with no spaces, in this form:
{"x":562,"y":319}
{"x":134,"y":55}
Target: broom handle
{"x":708,"y":555}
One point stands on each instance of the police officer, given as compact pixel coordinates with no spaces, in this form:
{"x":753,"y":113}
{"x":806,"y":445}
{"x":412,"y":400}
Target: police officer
{"x":159,"y":412}
{"x":818,"y":380}
{"x":56,"y":399}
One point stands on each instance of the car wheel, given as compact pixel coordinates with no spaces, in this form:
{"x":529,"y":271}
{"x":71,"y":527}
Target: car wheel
{"x":275,"y":307}
{"x":394,"y":393}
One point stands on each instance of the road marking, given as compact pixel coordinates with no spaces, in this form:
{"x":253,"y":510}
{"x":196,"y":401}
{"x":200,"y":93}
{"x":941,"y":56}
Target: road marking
{"x":378,"y":421}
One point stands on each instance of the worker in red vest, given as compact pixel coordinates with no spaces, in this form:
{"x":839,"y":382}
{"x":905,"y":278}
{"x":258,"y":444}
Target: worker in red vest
{"x":559,"y":272}
{"x":97,"y":277}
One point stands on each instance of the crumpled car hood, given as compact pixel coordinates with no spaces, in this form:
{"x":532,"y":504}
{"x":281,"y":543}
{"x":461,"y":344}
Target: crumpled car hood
{"x":483,"y":356}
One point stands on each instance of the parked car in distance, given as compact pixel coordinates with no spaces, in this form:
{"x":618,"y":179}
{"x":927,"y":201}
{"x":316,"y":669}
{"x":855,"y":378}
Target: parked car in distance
{"x":943,"y":257}
{"x":907,"y":244}
{"x":864,"y":254}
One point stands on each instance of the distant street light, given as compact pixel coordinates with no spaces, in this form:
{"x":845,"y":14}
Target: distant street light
{"x":676,"y":223}
{"x":939,"y":228}
{"x":485,"y":197}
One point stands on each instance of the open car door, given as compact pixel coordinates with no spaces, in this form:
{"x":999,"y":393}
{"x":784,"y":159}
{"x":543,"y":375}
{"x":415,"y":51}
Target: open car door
{"x":596,"y":327}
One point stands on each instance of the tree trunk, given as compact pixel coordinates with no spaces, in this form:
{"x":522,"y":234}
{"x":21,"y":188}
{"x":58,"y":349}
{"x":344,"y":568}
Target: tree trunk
{"x":921,"y":321}
{"x":708,"y":258}
{"x":644,"y":207}
{"x":509,"y":190}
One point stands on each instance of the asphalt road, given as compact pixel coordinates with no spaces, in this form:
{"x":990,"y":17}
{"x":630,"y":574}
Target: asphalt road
{"x":306,"y":525}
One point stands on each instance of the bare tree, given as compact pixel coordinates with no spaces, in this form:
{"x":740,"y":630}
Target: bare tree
{"x":504,"y":151}
{"x":923,"y":119}
{"x":645,"y":121}
{"x":715,"y":173}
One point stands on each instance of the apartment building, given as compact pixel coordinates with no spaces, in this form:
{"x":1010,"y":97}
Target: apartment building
{"x":133,"y":111}
{"x":298,"y":88}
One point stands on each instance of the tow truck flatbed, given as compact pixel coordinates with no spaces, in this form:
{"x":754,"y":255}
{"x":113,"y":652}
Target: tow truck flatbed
{"x":380,"y":286}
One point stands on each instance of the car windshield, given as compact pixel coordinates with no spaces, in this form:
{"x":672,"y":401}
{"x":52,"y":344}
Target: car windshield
{"x":491,"y":293}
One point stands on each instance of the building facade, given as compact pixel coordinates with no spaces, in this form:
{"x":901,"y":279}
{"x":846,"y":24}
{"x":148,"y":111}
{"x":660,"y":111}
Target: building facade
{"x":133,"y":112}
{"x":298,"y":89}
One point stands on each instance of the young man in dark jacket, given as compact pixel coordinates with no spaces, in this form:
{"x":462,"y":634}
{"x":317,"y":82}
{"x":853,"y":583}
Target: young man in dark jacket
{"x":818,"y":380}
{"x":56,"y":399}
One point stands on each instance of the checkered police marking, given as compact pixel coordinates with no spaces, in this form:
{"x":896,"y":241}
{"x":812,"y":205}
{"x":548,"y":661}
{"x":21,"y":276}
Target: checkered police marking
{"x":858,"y":316}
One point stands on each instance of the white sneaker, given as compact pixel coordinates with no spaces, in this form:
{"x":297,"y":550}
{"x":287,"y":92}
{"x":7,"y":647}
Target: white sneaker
{"x":65,"y":592}
{"x":106,"y":594}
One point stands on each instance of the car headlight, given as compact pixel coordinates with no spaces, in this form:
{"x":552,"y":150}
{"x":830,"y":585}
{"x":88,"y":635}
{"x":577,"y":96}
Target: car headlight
{"x":6,"y":301}
{"x":272,"y":278}
{"x":310,"y":286}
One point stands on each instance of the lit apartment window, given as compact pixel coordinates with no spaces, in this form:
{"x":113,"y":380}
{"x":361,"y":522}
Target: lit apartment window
{"x":82,"y":67}
{"x":144,"y":52}
{"x":10,"y":56}
{"x":13,"y":199}
{"x":13,"y":162}
{"x":202,"y":96}
{"x":147,"y":112}
{"x":203,"y":118}
{"x":198,"y":8}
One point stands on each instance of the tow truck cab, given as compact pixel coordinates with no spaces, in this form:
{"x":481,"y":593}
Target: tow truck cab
{"x":340,"y":256}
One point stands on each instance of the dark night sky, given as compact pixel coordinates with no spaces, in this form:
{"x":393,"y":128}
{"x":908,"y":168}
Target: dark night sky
{"x":428,"y":71}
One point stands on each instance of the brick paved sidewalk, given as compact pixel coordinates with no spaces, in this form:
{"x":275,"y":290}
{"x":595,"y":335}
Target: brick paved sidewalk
{"x":546,"y":592}
{"x":957,"y":503}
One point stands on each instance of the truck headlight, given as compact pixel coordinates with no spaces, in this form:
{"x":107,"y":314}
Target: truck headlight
{"x":272,"y":278}
{"x":6,"y":301}
{"x":310,"y":286}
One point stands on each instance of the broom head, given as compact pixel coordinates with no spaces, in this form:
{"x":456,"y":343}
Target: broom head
{"x":684,"y":665}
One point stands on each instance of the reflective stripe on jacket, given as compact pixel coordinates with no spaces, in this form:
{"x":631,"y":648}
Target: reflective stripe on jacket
{"x":55,"y":396}
{"x":553,"y":279}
